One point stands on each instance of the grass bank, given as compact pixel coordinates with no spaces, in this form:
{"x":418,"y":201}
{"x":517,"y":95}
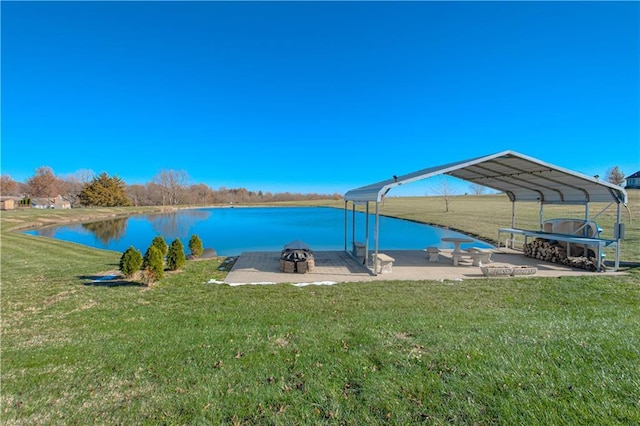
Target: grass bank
{"x":514,"y":351}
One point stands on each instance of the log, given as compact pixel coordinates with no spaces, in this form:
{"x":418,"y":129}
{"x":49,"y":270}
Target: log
{"x":542,"y":249}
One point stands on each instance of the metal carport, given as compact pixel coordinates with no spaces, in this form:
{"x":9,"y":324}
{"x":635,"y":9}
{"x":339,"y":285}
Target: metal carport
{"x":521,"y":177}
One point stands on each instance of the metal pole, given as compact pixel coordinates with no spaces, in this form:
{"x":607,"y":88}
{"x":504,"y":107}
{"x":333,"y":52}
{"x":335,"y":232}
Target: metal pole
{"x":618,"y":238}
{"x":376,"y":236}
{"x":353,"y":225}
{"x":513,"y":223}
{"x":585,"y":232}
{"x":366,"y":237}
{"x":541,"y":214}
{"x":346,"y":215}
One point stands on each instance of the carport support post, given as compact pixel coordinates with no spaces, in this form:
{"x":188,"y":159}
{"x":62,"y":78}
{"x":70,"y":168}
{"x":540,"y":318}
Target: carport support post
{"x":353,"y":226}
{"x":618,"y":238}
{"x":513,"y":224}
{"x":366,"y":235}
{"x":585,"y":253}
{"x":346,"y":215}
{"x":376,"y":236}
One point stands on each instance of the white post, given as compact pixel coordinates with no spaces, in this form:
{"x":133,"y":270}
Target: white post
{"x":353,"y":225}
{"x":618,"y":238}
{"x":366,"y":235}
{"x":376,"y":236}
{"x":513,"y":224}
{"x":585,"y":232}
{"x":346,"y":216}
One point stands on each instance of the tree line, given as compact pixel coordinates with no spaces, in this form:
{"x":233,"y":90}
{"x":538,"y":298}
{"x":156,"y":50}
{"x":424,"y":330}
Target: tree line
{"x":166,"y":188}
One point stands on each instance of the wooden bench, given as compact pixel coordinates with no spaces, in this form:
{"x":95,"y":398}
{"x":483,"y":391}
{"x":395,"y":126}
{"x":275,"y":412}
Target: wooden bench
{"x":385,"y":263}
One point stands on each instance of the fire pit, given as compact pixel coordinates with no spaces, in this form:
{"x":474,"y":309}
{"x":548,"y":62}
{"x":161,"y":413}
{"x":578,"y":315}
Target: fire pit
{"x":296,"y":257}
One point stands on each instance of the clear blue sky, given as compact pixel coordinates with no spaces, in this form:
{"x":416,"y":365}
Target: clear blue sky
{"x":319,"y":96}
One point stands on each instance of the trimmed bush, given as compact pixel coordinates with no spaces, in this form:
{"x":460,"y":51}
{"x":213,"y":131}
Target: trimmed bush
{"x":161,"y":244}
{"x":154,"y":269}
{"x":130,"y":262}
{"x":175,"y":256}
{"x":195,"y":245}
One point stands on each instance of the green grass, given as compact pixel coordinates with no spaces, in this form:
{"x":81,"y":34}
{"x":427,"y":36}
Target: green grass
{"x":505,"y":351}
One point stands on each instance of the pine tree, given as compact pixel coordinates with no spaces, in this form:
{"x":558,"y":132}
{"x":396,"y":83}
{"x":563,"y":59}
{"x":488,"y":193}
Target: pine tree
{"x":175,"y":256}
{"x":104,"y":191}
{"x":195,"y":245}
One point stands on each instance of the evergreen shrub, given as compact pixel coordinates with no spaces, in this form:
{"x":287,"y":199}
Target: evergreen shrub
{"x":161,"y":244}
{"x":195,"y":245}
{"x":154,"y":269}
{"x":175,"y":256}
{"x":130,"y":261}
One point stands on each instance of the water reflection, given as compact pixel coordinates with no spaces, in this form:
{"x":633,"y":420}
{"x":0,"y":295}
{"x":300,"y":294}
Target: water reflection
{"x":48,"y":232}
{"x":107,"y":230}
{"x":172,"y":225}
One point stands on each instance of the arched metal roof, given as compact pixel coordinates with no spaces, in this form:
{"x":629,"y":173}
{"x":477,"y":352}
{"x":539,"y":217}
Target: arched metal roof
{"x":521,"y":177}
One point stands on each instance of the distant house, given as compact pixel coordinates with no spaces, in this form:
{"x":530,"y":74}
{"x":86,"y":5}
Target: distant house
{"x":633,"y":181}
{"x":60,"y":203}
{"x":7,"y":203}
{"x":42,"y":203}
{"x":50,"y":203}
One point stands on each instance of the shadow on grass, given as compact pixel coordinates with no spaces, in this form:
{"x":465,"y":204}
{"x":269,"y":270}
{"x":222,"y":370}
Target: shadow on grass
{"x":108,"y":281}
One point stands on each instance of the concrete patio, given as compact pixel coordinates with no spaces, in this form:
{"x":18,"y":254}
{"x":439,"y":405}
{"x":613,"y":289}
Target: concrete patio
{"x":338,"y":266}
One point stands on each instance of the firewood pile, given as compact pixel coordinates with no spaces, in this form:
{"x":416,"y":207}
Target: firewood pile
{"x":543,"y":249}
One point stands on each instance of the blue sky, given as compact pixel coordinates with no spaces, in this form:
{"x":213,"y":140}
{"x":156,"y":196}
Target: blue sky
{"x":316,"y":96}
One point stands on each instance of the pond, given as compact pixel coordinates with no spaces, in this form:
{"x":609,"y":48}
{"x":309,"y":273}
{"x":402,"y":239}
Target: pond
{"x":231,"y":231}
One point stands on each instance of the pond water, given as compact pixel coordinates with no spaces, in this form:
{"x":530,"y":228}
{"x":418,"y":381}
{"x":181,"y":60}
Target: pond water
{"x":231,"y":231}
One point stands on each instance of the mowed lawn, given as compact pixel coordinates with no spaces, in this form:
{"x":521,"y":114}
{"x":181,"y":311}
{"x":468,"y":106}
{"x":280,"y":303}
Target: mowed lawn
{"x":503,"y":351}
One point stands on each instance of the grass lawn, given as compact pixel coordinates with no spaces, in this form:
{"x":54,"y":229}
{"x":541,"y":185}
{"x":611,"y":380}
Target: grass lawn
{"x":504,"y":351}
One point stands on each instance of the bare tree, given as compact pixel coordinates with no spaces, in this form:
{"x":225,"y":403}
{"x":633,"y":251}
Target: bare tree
{"x":476,"y":189}
{"x":44,"y":183}
{"x":200,"y":194}
{"x":446,"y":191}
{"x":72,"y":185}
{"x":172,"y":184}
{"x":615,"y":176}
{"x":138,"y":194}
{"x":8,"y":186}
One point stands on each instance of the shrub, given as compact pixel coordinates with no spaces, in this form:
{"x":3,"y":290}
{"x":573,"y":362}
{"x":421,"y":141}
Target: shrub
{"x":130,"y":261}
{"x":175,"y":256}
{"x":161,"y":244}
{"x":154,"y":269}
{"x":195,"y":245}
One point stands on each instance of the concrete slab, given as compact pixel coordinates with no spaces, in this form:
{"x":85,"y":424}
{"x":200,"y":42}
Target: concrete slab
{"x":411,"y":265}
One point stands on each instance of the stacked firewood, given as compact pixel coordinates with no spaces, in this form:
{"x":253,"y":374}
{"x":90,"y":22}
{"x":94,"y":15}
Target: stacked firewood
{"x":555,"y":252}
